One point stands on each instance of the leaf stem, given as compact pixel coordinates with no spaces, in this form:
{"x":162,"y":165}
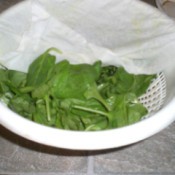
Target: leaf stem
{"x":48,"y":108}
{"x":90,"y":110}
{"x":54,"y":49}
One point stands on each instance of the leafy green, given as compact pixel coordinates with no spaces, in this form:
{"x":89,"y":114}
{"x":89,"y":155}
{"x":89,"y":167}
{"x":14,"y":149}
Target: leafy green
{"x":136,"y":84}
{"x":86,"y":97}
{"x":69,"y":76}
{"x":40,"y":69}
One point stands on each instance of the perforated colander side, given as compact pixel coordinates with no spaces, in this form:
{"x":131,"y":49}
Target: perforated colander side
{"x":155,"y":95}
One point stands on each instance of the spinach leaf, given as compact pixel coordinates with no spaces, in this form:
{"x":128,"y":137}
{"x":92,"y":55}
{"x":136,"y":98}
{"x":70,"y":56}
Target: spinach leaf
{"x":137,"y":84}
{"x":3,"y":75}
{"x":126,"y":110}
{"x":17,"y":78}
{"x":72,"y":81}
{"x":40,"y":69}
{"x":10,"y":82}
{"x":41,"y":114}
{"x":3,"y":78}
{"x":23,"y":105}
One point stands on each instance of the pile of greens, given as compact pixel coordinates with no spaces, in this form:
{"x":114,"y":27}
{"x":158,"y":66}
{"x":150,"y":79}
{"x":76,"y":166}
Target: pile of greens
{"x":74,"y":96}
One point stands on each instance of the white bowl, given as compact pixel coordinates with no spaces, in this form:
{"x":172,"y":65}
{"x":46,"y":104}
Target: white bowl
{"x":87,"y":140}
{"x":91,"y":140}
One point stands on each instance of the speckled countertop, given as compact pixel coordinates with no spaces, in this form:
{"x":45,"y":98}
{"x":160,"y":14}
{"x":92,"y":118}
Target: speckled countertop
{"x":154,"y":156}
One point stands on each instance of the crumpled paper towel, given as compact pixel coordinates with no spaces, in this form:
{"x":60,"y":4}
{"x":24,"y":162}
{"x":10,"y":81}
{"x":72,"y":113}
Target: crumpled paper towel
{"x":127,"y":33}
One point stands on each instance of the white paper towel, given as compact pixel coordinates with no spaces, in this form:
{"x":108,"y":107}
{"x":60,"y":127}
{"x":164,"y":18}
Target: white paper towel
{"x":128,"y":33}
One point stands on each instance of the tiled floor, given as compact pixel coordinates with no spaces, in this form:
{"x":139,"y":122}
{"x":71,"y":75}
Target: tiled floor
{"x":154,"y":156}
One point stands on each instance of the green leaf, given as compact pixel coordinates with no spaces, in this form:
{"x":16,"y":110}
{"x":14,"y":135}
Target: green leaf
{"x":137,"y":84}
{"x":119,"y":114}
{"x":41,"y":69}
{"x":125,"y":81}
{"x":59,"y":80}
{"x":142,"y":83}
{"x":3,"y":75}
{"x":40,"y":91}
{"x":127,"y":110}
{"x":72,"y":81}
{"x":136,"y":112}
{"x":41,"y":113}
{"x":92,"y":92}
{"x":17,"y":78}
{"x":22,"y":104}
{"x":71,"y":121}
{"x":10,"y":81}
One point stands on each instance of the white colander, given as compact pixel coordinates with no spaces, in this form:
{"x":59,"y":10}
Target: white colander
{"x":27,"y":30}
{"x":155,"y":95}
